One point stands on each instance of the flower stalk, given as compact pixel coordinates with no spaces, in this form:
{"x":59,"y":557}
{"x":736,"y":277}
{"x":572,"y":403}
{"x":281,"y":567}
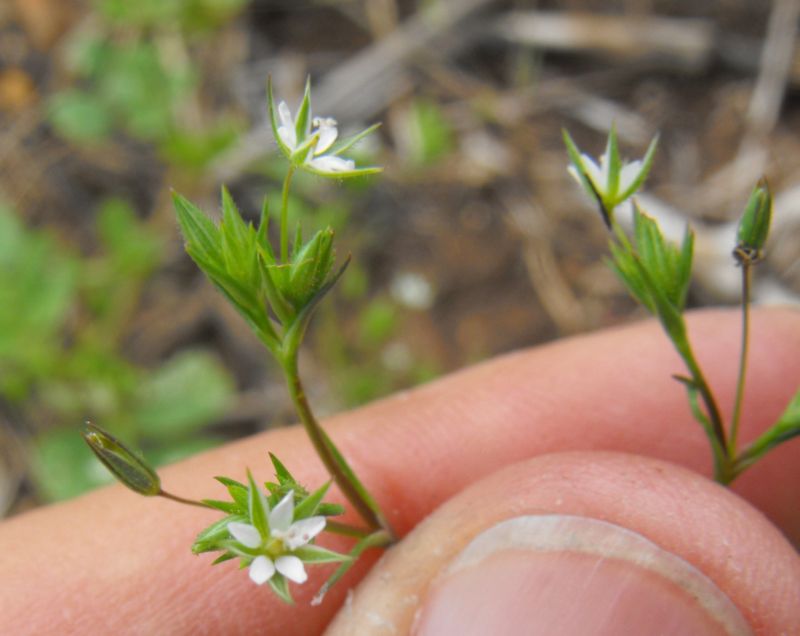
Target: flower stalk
{"x":344,"y":478}
{"x":743,"y":355}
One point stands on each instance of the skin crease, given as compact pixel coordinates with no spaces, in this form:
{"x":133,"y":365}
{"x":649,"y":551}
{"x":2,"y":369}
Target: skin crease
{"x":115,"y":562}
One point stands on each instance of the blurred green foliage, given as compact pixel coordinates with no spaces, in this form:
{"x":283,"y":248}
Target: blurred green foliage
{"x":133,"y":74}
{"x":62,"y":321}
{"x":430,"y":133}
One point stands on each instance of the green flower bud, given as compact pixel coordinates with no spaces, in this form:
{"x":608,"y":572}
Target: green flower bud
{"x":754,"y":224}
{"x":126,"y":466}
{"x":310,"y":268}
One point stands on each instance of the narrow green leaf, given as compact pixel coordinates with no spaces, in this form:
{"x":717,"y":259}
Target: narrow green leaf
{"x":345,"y":144}
{"x":281,"y":472}
{"x":623,"y":264}
{"x":310,"y":268}
{"x":262,"y":235}
{"x":244,"y":301}
{"x":238,"y":549}
{"x":344,"y":174}
{"x":647,"y":164}
{"x":273,"y":119}
{"x":257,"y":506}
{"x":228,"y":507}
{"x":208,"y":540}
{"x":199,"y":231}
{"x":294,"y":332}
{"x":668,"y":314}
{"x":787,"y":427}
{"x":302,"y":122}
{"x":280,"y":586}
{"x":330,"y":509}
{"x":684,"y":277}
{"x":317,"y":554}
{"x":237,"y":491}
{"x":303,"y":151}
{"x":224,"y":557}
{"x":614,"y":164}
{"x":283,"y":309}
{"x":698,"y":413}
{"x":232,"y":222}
{"x":297,"y":245}
{"x":308,"y":507}
{"x":718,"y":453}
{"x":576,"y":158}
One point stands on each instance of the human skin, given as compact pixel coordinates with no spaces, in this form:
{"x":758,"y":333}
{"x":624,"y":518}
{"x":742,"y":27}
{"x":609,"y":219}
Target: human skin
{"x":112,"y":562}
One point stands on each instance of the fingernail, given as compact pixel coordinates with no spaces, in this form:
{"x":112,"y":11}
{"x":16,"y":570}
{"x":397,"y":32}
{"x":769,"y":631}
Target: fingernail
{"x":565,"y":575}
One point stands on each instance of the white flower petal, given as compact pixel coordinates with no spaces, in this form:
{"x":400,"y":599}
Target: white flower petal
{"x":244,"y":533}
{"x":628,"y":175}
{"x":598,"y":175}
{"x":327,"y":135}
{"x":624,"y":209}
{"x":286,"y":131}
{"x":285,"y":115}
{"x":288,"y":136}
{"x":303,"y":531}
{"x":574,"y":174}
{"x":332,"y":163}
{"x":604,"y":168}
{"x":262,"y":569}
{"x":280,"y":519}
{"x":292,"y":568}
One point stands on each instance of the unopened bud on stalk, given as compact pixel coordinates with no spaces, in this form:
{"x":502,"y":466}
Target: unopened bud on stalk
{"x":754,"y":225}
{"x":126,"y":466}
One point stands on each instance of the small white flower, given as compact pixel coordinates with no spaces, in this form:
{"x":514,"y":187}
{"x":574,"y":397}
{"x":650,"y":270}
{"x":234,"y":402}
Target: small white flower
{"x":284,"y":538}
{"x":601,"y":178}
{"x":325,"y":131}
{"x":612,"y":181}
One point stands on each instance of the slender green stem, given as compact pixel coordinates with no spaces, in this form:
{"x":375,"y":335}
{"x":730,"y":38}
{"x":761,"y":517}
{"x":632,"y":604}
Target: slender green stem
{"x":285,"y":215}
{"x":737,"y":405}
{"x":317,"y":438}
{"x":188,"y":502}
{"x":346,"y":530}
{"x":377,"y":539}
{"x":708,"y":398}
{"x":672,"y":320}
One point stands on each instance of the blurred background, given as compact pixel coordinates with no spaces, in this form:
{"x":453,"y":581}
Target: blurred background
{"x":472,"y":243}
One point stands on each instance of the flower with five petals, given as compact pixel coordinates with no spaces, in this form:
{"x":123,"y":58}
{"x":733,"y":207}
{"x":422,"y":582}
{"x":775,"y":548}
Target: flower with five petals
{"x":308,"y":142}
{"x":273,"y":551}
{"x":611,"y":182}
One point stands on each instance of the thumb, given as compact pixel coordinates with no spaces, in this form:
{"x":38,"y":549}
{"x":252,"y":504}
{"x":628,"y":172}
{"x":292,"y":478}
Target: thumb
{"x":584,"y":543}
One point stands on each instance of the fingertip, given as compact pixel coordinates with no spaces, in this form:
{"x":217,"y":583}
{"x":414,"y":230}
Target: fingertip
{"x":693,"y":521}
